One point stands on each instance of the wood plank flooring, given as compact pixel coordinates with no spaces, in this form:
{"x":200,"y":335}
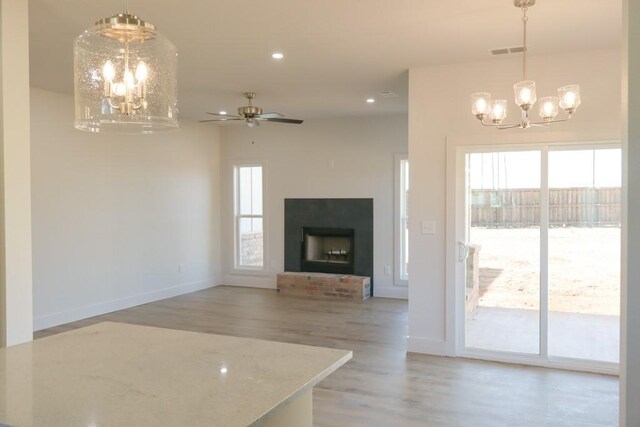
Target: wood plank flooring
{"x":382,"y":385}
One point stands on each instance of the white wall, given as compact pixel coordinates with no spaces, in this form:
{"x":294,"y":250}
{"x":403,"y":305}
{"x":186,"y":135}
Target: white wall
{"x":630,"y":351}
{"x":15,"y":187}
{"x":439,"y":108}
{"x":114,"y":216}
{"x":337,"y":158}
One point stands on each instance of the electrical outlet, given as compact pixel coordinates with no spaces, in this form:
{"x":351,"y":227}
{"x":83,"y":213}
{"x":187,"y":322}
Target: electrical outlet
{"x":180,"y":268}
{"x":387,"y":270}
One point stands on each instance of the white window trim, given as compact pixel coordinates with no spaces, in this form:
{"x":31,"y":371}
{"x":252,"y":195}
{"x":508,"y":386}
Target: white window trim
{"x":398,"y":280}
{"x":235,"y":218}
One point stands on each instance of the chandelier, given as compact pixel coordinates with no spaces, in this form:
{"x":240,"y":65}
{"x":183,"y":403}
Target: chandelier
{"x":125,"y":77}
{"x":494,"y":113}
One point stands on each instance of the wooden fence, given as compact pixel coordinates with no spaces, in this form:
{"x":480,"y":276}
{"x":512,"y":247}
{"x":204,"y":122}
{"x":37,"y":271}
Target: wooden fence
{"x":574,"y":207}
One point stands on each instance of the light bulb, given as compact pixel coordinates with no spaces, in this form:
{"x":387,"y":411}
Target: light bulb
{"x":499,"y":110}
{"x":108,"y":72}
{"x":525,"y":95}
{"x":119,"y":89}
{"x":569,"y":99}
{"x":142,"y":72}
{"x":128,"y":79}
{"x":548,"y":108}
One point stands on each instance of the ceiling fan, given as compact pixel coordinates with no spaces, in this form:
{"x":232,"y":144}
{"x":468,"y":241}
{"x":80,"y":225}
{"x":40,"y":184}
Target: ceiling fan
{"x":252,"y":115}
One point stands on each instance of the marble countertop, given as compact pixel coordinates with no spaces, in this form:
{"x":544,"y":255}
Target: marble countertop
{"x":114,"y":374}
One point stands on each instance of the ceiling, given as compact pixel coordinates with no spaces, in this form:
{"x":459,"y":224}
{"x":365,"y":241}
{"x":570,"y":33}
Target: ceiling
{"x":337,"y":52}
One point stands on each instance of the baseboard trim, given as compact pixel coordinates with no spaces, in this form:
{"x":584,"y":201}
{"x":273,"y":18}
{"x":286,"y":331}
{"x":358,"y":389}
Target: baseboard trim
{"x":60,"y":318}
{"x":396,"y":292}
{"x":428,"y":346}
{"x":250,"y":281}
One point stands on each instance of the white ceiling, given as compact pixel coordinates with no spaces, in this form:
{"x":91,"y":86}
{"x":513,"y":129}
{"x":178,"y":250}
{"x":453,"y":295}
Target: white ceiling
{"x":337,"y":52}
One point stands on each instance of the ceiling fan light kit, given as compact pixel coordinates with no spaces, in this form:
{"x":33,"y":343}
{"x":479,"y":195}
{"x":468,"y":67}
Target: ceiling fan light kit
{"x":252,"y":115}
{"x":125,"y":77}
{"x":493,"y":113}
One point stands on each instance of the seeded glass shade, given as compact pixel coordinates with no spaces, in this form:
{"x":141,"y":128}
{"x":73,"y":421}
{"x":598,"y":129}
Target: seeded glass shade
{"x":499,"y":110}
{"x":525,"y":94}
{"x":569,"y":97}
{"x":481,"y":104}
{"x":125,"y":78}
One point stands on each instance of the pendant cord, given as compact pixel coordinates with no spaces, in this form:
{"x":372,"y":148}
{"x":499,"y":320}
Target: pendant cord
{"x":126,"y":40}
{"x":525,"y":18}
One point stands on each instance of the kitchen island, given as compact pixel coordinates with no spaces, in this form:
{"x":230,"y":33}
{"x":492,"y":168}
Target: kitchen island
{"x":115,"y":374}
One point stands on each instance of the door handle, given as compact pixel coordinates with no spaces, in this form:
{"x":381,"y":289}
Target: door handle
{"x":463,"y":251}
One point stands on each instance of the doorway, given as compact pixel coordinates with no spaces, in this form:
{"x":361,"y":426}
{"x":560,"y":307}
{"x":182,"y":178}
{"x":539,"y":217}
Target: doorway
{"x":538,"y":255}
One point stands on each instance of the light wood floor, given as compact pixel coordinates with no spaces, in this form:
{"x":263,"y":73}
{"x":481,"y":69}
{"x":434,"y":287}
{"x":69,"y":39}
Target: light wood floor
{"x":382,"y":386}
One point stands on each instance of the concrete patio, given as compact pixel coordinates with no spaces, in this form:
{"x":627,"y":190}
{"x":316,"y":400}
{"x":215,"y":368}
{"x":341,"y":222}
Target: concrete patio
{"x":573,"y":335}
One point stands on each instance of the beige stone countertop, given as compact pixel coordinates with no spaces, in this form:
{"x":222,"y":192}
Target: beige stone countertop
{"x":114,"y":374}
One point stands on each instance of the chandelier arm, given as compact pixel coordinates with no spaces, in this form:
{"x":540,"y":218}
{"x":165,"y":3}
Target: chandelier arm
{"x":552,"y":121}
{"x":489,"y":124}
{"x":501,"y":126}
{"x":115,"y":107}
{"x":513,"y":126}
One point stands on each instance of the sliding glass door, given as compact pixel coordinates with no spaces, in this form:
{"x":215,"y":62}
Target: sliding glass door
{"x":584,"y":253}
{"x":538,"y":254}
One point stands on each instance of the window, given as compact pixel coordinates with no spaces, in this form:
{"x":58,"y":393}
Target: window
{"x":402,"y":220}
{"x":249,"y":217}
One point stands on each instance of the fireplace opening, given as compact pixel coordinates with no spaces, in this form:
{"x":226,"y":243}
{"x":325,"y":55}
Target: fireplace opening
{"x":327,"y":250}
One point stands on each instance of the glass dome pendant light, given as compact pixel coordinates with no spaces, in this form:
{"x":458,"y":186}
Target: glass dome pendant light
{"x":525,"y":95}
{"x":125,"y":77}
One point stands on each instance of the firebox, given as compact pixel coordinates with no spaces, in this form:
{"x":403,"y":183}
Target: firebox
{"x":327,"y":250}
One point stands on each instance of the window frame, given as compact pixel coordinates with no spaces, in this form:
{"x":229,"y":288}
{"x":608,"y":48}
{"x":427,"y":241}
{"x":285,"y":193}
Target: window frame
{"x":237,"y":217}
{"x":400,"y":220}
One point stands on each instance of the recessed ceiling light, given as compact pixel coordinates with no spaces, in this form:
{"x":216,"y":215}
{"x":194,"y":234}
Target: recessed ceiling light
{"x":224,"y":113}
{"x":277,"y":55}
{"x":370,"y":100}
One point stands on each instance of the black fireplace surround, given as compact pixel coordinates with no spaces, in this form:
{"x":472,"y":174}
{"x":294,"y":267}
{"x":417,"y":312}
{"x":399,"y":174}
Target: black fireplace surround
{"x":329,"y":236}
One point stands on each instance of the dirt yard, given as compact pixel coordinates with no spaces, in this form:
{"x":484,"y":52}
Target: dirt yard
{"x":584,"y":269}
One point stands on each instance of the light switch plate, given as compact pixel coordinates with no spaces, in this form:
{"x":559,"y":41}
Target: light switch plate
{"x":428,"y":227}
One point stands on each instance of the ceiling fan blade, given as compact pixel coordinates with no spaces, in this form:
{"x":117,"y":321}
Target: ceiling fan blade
{"x":219,"y":120}
{"x":270,"y":116}
{"x":226,"y":115}
{"x":285,"y":120}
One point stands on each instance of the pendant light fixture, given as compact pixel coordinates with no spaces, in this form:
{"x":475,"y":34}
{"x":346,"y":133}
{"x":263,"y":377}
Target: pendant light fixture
{"x":125,"y":77}
{"x":494,"y":113}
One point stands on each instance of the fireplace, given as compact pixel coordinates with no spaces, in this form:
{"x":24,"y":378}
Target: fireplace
{"x":329,"y":236}
{"x":327,"y":250}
